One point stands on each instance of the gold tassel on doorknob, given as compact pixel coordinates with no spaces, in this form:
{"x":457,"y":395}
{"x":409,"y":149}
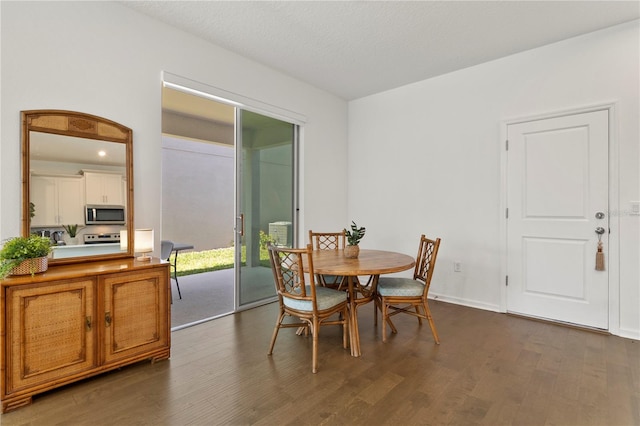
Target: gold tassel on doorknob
{"x":599,"y":257}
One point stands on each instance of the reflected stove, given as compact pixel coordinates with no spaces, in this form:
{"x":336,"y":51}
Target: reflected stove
{"x":109,"y":238}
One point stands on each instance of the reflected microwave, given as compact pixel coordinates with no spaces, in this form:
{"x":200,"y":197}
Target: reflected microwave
{"x":98,"y":214}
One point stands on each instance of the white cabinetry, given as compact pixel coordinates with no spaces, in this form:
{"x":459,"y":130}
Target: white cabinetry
{"x":103,"y":188}
{"x":58,"y":200}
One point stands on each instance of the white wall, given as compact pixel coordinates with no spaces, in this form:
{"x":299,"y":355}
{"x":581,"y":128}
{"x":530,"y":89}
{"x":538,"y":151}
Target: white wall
{"x":428,"y":158}
{"x":104,"y":59}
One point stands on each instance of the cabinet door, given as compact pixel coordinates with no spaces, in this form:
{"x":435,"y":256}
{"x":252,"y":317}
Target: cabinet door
{"x":93,"y":188}
{"x":136,"y":315}
{"x":50,"y":332}
{"x":112,"y":189}
{"x":70,"y":201}
{"x":104,"y":188}
{"x":43,"y":195}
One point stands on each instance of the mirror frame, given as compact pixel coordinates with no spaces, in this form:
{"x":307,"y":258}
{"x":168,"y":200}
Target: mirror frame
{"x":87,"y":126}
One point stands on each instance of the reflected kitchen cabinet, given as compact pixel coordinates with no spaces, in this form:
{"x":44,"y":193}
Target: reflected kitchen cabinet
{"x":57,"y":200}
{"x":103,"y":188}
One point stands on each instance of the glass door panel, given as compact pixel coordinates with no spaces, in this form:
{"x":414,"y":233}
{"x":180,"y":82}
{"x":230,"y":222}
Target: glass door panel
{"x":265,"y":200}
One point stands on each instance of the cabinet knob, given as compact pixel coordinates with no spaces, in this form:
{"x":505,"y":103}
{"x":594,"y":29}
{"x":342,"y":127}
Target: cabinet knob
{"x":107,"y":318}
{"x":88,"y":323}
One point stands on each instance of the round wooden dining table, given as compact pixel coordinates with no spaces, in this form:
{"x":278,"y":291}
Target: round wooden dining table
{"x":371,"y":263}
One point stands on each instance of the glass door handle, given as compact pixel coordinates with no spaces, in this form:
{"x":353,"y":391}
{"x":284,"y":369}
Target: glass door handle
{"x":240,"y":224}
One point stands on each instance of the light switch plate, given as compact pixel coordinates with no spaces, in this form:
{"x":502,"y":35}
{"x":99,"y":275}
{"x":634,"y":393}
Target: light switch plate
{"x":635,"y":208}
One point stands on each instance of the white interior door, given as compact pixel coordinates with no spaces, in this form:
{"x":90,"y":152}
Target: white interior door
{"x":557,"y":196}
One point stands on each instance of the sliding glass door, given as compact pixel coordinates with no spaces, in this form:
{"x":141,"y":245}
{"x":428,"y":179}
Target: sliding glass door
{"x":265,"y":204}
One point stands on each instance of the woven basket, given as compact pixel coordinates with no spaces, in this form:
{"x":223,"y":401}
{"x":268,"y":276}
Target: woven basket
{"x":31,"y":266}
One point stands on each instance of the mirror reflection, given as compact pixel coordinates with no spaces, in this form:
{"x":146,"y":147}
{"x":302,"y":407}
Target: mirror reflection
{"x":78,"y":193}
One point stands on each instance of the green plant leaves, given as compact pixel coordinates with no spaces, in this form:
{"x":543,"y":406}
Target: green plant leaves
{"x":17,"y":249}
{"x":355,"y":235}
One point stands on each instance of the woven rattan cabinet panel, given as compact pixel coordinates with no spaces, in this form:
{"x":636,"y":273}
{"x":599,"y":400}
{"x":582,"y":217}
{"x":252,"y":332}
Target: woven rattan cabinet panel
{"x":135,"y":319}
{"x":76,"y":321}
{"x":55,"y":344}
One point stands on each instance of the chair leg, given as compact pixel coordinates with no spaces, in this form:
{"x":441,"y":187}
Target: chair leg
{"x":418,"y":312}
{"x":394,"y":330}
{"x":275,"y":333}
{"x":431,"y":323}
{"x":175,"y":275}
{"x":314,"y":358}
{"x":376,"y":306}
{"x":345,"y":328}
{"x":384,"y":315}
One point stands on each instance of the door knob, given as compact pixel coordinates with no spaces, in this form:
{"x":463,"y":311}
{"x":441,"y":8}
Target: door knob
{"x":599,"y":230}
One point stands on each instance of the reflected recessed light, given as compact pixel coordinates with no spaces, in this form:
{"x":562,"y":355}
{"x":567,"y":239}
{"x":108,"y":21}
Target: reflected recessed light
{"x":102,"y":153}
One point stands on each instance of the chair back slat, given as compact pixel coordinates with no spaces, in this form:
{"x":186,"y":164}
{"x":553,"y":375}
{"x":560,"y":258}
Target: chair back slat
{"x":328,"y":240}
{"x":426,"y":260}
{"x":290,"y":274}
{"x":166,"y":247}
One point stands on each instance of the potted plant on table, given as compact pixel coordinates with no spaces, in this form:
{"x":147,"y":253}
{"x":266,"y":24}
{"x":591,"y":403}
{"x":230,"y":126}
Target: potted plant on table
{"x":24,"y":255}
{"x":354,"y":236}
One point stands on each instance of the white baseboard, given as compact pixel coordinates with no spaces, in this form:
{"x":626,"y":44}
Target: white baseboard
{"x":464,"y":302}
{"x":625,"y":333}
{"x":629,"y":334}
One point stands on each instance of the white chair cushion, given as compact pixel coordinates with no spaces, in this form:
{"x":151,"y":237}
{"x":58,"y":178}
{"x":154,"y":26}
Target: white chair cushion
{"x":326,"y":298}
{"x":394,"y":286}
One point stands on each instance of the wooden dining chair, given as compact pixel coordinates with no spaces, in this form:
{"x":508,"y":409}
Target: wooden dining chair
{"x":313,"y":305}
{"x":397,"y":295}
{"x":329,"y":241}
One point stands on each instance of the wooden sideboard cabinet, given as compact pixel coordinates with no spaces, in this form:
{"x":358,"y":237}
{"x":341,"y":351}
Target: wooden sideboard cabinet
{"x":76,"y":321}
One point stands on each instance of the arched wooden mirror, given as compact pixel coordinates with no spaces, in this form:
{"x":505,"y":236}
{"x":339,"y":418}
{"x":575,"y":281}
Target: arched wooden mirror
{"x":77,"y":170}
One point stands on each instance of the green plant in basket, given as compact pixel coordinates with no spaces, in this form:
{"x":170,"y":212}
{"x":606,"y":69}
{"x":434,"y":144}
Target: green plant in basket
{"x":355,"y":235}
{"x":17,"y":249}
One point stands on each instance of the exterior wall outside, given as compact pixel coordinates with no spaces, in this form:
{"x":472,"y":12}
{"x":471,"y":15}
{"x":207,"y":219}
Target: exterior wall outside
{"x":198,"y":193}
{"x":429,"y":158}
{"x":105,"y":59}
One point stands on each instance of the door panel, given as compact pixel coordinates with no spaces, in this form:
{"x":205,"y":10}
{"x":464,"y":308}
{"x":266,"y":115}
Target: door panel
{"x":265,"y":167}
{"x":53,"y":346}
{"x":133,"y":313}
{"x":555,"y":254}
{"x":557,"y":181}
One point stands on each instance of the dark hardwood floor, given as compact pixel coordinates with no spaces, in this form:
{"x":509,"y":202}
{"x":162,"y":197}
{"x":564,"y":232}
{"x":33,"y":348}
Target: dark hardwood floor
{"x":490,"y":369}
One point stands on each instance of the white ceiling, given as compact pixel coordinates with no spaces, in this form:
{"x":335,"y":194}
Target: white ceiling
{"x":357,"y":48}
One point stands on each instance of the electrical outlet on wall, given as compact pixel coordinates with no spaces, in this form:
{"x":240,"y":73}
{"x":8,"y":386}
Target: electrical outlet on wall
{"x":457,"y":266}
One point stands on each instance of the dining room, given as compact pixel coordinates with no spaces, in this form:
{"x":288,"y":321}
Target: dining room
{"x":427,"y":157}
